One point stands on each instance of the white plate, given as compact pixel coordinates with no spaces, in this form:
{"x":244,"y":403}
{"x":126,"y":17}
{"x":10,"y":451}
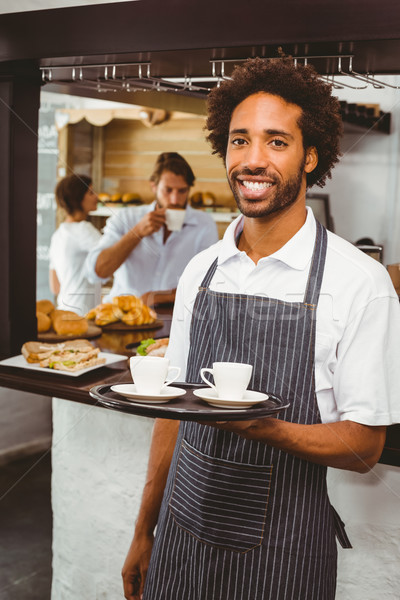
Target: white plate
{"x":19,"y":361}
{"x":129,"y":391}
{"x":249,"y":399}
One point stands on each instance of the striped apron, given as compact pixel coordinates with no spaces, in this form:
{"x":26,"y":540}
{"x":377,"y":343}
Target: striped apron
{"x":241,"y":520}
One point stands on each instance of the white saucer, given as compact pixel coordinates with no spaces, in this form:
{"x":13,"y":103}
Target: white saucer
{"x":129,"y":391}
{"x":249,"y":399}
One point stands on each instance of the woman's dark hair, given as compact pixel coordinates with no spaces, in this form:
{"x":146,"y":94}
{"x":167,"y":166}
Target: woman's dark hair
{"x":320,"y":122}
{"x":174,"y":162}
{"x":70,"y":192}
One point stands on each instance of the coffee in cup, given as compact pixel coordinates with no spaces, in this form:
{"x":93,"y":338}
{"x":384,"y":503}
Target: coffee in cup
{"x":231,"y":379}
{"x":151,"y":374}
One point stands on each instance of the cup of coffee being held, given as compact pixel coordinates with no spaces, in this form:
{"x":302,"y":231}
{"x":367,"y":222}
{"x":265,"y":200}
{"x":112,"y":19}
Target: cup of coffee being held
{"x":152,"y":374}
{"x":231,"y":379}
{"x":174,"y":218}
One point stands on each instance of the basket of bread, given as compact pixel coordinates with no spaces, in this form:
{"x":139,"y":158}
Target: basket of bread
{"x":58,"y":325}
{"x":125,"y":312}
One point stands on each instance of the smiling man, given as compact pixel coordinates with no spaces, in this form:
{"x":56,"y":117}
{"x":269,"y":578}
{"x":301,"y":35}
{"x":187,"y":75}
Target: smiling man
{"x":241,"y":508}
{"x":145,"y":257}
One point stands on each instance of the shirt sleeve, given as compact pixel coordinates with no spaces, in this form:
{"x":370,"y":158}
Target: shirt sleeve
{"x":367,"y":375}
{"x":113,"y":231}
{"x":179,"y":339}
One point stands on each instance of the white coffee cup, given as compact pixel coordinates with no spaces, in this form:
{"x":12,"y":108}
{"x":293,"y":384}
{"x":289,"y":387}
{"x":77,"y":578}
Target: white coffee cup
{"x":231,"y":379}
{"x":174,"y":218}
{"x":151,"y":374}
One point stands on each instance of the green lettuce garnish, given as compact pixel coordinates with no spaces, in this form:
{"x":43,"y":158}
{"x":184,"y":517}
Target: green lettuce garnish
{"x":69,"y":363}
{"x":141,"y":349}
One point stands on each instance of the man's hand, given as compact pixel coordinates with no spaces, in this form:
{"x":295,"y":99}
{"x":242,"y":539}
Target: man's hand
{"x":135,"y":567}
{"x":151,"y":222}
{"x":110,"y":259}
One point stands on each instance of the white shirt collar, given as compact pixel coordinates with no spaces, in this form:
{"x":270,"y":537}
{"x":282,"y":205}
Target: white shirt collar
{"x":296,"y":253}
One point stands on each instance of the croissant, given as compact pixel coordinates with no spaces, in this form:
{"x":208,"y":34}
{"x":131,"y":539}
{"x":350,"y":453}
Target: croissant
{"x":107,"y":313}
{"x":127,"y":303}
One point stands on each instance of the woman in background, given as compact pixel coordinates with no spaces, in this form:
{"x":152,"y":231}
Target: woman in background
{"x":70,"y":245}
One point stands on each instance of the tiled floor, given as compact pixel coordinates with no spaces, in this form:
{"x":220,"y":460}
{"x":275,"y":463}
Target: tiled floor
{"x":25,"y":529}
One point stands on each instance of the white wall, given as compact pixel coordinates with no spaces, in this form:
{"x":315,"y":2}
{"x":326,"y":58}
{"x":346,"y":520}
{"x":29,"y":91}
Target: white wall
{"x":364,"y":189}
{"x":369,"y":504}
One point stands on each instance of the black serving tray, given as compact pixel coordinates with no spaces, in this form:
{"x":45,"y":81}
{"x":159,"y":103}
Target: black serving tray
{"x":185,"y":408}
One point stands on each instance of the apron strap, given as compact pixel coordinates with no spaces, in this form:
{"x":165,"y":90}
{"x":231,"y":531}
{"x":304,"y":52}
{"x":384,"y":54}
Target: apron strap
{"x":209,"y":275}
{"x":317,"y":267}
{"x":340,"y":530}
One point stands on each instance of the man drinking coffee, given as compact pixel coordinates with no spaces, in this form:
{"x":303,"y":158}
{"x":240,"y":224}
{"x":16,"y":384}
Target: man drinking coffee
{"x":145,"y":257}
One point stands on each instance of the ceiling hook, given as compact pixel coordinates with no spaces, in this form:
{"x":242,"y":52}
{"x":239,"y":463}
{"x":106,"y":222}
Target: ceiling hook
{"x":105,"y":72}
{"x":148,"y":71}
{"x":140,"y":71}
{"x":73,"y":74}
{"x":213,"y":70}
{"x":114,"y":72}
{"x":80,"y":74}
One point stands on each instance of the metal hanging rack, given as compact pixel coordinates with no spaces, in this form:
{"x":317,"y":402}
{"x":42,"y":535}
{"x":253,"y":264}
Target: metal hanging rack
{"x":116,"y":77}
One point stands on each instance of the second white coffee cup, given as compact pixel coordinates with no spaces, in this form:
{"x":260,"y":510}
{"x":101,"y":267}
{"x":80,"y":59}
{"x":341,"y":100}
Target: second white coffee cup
{"x":231,"y":379}
{"x":151,"y":374}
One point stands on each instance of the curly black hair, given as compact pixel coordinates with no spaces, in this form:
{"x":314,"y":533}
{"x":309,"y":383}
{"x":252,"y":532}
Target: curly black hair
{"x":320,"y":123}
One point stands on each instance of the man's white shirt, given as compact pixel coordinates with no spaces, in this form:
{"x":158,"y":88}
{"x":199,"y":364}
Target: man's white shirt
{"x":153,"y":264}
{"x":357,"y":355}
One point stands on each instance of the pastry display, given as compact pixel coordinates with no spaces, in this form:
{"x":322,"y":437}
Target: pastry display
{"x":126,"y":309}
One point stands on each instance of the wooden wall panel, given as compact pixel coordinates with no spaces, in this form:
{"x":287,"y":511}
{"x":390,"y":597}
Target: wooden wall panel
{"x":130,"y":150}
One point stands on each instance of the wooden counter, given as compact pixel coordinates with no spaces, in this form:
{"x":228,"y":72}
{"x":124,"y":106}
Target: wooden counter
{"x":77,"y":388}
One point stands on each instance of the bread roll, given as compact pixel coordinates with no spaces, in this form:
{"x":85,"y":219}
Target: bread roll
{"x":44,"y":306}
{"x":43,"y":322}
{"x":69,"y":323}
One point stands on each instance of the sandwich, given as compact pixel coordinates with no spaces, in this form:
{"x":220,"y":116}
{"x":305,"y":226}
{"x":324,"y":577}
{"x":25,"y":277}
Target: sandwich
{"x":34,"y":352}
{"x":72,"y":360}
{"x":151,"y":347}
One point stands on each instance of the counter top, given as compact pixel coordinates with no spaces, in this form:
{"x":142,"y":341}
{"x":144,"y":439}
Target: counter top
{"x":220,"y":216}
{"x":77,"y":388}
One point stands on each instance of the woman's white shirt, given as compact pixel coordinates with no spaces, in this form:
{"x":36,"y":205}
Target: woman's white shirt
{"x":69,"y":248}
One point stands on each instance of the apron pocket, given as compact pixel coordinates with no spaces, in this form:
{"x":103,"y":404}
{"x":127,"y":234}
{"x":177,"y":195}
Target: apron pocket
{"x":220,"y":502}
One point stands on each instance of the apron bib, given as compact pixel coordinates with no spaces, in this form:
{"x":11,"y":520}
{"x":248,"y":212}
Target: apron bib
{"x":241,"y":520}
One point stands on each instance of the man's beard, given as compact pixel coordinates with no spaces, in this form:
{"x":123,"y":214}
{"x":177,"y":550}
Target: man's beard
{"x":284,"y":194}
